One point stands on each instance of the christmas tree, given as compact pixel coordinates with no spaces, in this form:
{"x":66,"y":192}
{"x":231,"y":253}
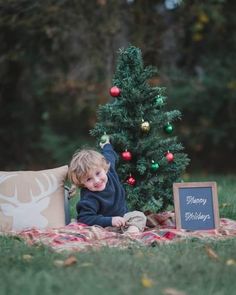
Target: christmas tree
{"x":141,"y":131}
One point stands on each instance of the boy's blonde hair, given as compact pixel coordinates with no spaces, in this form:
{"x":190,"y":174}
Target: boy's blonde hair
{"x":83,"y":162}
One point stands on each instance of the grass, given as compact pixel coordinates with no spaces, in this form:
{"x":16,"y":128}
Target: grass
{"x":187,"y":267}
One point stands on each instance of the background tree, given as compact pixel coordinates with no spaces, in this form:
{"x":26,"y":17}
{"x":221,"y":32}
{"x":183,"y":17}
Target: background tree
{"x":202,"y":84}
{"x":52,"y":75}
{"x":140,"y":129}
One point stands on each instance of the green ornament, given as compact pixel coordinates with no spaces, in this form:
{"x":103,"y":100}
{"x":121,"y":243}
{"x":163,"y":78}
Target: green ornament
{"x":159,"y":100}
{"x":155,"y":166}
{"x":104,"y":138}
{"x":168,"y":128}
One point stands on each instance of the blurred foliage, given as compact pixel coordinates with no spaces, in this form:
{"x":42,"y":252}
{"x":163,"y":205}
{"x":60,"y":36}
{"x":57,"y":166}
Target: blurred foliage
{"x":203,"y":83}
{"x":57,"y":61}
{"x":52,"y":77}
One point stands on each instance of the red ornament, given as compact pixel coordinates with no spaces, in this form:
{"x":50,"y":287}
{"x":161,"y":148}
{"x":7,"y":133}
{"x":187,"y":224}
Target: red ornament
{"x":169,"y":157}
{"x":115,"y":91}
{"x":131,"y":180}
{"x":126,"y":155}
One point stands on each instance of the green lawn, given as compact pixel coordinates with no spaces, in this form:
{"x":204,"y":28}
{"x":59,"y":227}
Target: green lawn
{"x":188,"y":267}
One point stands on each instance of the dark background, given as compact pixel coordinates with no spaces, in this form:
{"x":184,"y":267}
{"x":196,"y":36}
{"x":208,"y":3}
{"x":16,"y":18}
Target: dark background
{"x":57,"y":60}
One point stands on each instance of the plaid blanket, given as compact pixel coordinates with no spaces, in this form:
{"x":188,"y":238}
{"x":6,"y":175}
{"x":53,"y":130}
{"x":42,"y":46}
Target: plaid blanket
{"x":160,"y":230}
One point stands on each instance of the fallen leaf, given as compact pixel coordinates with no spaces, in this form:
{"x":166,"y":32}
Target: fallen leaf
{"x":27,"y":257}
{"x":147,"y":282}
{"x":231,"y":262}
{"x":70,"y":261}
{"x":211,"y":253}
{"x":224,"y":205}
{"x":171,"y":291}
{"x":139,"y":254}
{"x":86,"y":264}
{"x":58,"y":262}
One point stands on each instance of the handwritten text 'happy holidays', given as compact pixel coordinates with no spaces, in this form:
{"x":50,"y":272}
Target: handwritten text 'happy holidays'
{"x":191,"y":200}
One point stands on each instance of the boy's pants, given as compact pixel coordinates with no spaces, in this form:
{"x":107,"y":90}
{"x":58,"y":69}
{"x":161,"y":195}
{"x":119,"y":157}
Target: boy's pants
{"x":136,"y":218}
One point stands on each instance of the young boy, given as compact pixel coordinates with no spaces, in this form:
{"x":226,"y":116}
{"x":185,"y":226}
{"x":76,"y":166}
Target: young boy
{"x":102,"y":198}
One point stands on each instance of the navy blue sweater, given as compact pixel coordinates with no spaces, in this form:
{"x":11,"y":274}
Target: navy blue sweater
{"x":99,"y":207}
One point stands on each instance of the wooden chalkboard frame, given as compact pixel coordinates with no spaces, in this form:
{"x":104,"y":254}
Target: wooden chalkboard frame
{"x":196,"y":185}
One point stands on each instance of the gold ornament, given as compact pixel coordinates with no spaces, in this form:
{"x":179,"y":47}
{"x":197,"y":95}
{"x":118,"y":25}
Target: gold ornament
{"x":145,"y":126}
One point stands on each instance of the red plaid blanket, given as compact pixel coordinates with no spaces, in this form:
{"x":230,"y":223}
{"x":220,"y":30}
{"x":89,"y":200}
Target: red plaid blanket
{"x":160,"y":229}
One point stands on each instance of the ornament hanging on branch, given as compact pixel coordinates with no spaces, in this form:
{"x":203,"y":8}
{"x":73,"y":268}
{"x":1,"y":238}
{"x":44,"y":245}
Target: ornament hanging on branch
{"x":126,"y":155}
{"x":154,"y":166}
{"x":168,"y":128}
{"x":159,"y":100}
{"x":131,"y":180}
{"x":104,"y":138}
{"x":115,"y":91}
{"x":169,"y":156}
{"x":145,"y":126}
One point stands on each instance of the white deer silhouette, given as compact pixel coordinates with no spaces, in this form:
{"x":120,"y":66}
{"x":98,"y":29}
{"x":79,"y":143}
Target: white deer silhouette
{"x":28,"y":215}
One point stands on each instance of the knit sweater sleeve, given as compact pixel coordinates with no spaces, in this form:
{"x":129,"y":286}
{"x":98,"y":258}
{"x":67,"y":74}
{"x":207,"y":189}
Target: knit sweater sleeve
{"x":87,"y":213}
{"x":110,"y":154}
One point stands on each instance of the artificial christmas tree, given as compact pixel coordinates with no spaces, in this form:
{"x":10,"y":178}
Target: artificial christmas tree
{"x":141,"y":131}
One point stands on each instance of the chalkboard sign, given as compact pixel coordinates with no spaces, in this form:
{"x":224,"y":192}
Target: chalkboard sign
{"x":196,"y":205}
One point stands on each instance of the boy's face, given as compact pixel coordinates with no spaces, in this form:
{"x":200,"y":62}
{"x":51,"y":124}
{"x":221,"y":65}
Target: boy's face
{"x":95,"y":180}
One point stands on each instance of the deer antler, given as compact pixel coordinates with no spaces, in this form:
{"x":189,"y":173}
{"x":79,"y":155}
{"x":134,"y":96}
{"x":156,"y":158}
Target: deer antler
{"x":52,"y":187}
{"x":13,"y":199}
{"x":5,"y":176}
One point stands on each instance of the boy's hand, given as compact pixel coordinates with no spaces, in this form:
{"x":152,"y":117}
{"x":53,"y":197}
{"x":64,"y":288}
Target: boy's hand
{"x":105,"y":141}
{"x":118,"y":221}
